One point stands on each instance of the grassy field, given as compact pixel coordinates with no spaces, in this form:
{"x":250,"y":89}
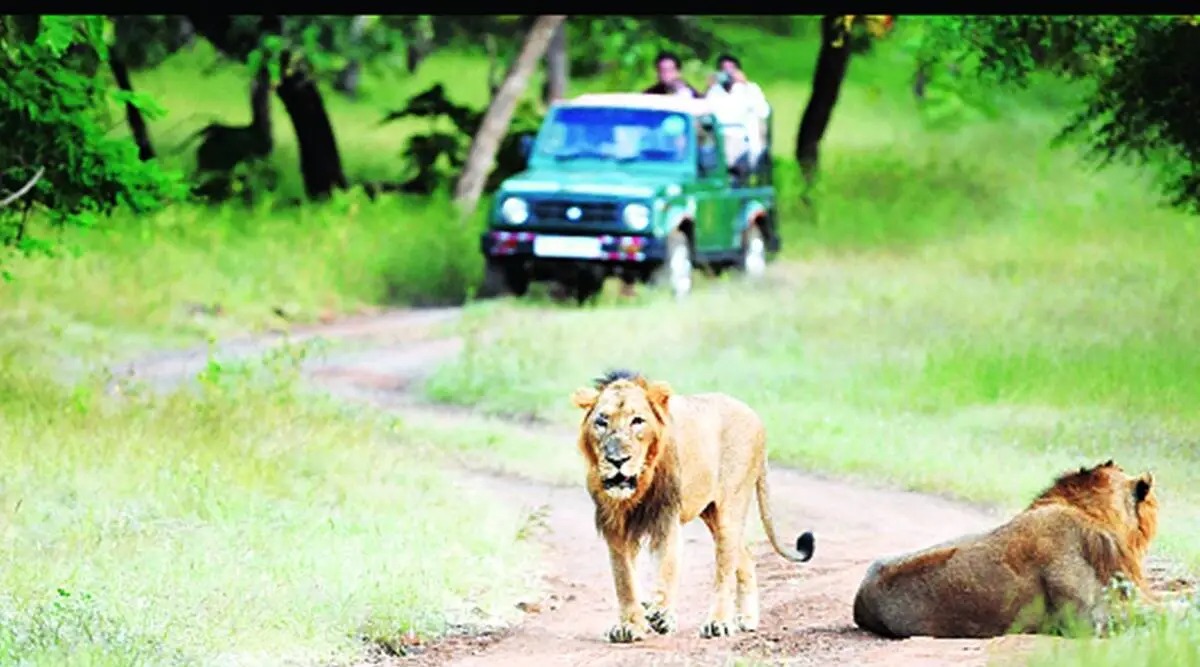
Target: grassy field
{"x":243,"y":525}
{"x":964,"y":310}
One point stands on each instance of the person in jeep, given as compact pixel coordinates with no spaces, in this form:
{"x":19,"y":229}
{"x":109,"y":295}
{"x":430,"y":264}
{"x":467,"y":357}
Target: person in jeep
{"x":743,"y":110}
{"x":670,"y":82}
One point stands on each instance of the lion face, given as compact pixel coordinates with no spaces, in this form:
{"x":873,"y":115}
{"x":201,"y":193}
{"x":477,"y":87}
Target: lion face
{"x":622,"y":426}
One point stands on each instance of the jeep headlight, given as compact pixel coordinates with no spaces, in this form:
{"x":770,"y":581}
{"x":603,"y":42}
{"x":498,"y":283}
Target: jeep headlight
{"x":514,"y":210}
{"x":637,"y":216}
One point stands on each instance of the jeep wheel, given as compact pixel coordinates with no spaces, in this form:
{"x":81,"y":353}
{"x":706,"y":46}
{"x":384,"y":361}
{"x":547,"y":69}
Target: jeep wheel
{"x":676,"y":269}
{"x":500,"y":278}
{"x":754,"y":253}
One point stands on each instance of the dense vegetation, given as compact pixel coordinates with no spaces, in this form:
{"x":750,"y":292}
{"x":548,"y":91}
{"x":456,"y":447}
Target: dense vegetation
{"x":963,"y":306}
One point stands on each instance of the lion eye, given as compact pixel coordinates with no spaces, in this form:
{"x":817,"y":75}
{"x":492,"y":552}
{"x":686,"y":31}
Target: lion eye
{"x":601,"y":421}
{"x":637,"y":421}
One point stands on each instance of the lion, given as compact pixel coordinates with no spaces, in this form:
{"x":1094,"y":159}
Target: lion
{"x":658,"y":460}
{"x":1045,"y":571}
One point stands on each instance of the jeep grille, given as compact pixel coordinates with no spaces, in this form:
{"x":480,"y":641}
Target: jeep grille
{"x":556,"y":210}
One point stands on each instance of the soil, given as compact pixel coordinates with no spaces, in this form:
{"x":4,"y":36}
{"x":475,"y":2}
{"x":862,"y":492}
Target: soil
{"x":806,"y":608}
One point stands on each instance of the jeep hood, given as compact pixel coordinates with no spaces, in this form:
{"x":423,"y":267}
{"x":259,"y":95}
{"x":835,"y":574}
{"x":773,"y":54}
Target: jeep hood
{"x":605,"y":183}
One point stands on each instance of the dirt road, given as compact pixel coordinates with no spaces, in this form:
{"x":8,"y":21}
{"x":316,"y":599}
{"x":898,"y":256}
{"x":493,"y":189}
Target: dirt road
{"x":806,"y":615}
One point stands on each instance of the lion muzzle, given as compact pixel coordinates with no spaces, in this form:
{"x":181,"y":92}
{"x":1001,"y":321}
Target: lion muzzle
{"x":619,"y":473}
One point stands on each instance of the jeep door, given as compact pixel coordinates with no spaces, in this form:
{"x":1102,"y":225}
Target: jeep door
{"x":712,"y":179}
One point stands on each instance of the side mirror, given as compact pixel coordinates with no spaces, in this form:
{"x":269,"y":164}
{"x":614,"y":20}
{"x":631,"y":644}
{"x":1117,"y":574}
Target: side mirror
{"x":526,"y":145}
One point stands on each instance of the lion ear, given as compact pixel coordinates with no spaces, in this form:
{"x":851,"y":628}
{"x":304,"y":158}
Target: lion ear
{"x":1142,"y":488}
{"x":658,"y":393}
{"x":585,"y":397}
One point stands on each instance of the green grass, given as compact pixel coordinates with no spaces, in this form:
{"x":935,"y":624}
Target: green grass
{"x":1152,"y":639}
{"x":240,"y":523}
{"x":963,"y":311}
{"x":315,"y":261}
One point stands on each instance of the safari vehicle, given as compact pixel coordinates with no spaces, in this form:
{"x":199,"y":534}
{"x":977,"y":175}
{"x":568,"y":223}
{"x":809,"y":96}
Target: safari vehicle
{"x":632,"y":185}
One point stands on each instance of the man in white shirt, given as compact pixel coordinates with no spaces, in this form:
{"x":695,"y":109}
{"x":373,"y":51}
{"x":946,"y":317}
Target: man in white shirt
{"x":742,"y":109}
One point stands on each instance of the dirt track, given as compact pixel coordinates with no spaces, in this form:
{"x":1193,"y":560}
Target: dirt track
{"x":806,"y":618}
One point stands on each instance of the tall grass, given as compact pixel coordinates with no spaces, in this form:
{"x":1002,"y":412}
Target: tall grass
{"x":192,"y":272}
{"x":244,"y":524}
{"x":1150,"y":640}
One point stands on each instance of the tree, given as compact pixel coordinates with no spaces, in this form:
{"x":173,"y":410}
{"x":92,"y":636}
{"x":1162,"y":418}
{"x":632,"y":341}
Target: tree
{"x":1142,"y":102}
{"x":320,"y":161}
{"x":141,"y":41}
{"x":347,"y":78}
{"x":133,"y":115}
{"x":499,"y":114}
{"x":59,"y":159}
{"x":557,"y":66}
{"x":833,"y":59}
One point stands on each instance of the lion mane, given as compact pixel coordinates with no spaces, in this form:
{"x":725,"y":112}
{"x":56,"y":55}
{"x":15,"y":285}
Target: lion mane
{"x":653,"y":508}
{"x":657,"y":460}
{"x":1045,"y":570}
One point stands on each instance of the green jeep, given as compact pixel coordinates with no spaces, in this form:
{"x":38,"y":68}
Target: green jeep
{"x":631,"y":185}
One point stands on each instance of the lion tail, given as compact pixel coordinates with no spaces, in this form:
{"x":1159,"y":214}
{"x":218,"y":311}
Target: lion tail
{"x":805,"y":544}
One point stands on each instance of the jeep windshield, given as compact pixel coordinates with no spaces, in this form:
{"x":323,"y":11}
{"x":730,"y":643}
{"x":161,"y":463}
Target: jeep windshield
{"x":620,"y":135}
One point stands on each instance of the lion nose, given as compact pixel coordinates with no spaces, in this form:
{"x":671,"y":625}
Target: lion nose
{"x":617,"y":460}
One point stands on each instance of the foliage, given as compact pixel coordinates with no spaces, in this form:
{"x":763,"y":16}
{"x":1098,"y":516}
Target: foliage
{"x":1142,"y":103}
{"x":438,"y":156}
{"x":53,"y":115}
{"x":863,"y":29}
{"x":624,"y":49}
{"x":332,"y":42}
{"x":144,"y":41}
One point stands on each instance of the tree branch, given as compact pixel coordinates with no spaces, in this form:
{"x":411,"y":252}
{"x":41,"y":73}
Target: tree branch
{"x":24,"y":188}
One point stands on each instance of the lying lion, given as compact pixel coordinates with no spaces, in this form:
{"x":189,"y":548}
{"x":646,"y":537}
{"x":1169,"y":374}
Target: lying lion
{"x":1046,"y":568}
{"x":657,"y":461}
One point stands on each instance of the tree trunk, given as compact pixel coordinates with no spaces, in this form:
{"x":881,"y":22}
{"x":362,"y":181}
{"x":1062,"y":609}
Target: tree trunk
{"x":137,"y":124}
{"x":499,"y":114}
{"x":420,"y":41}
{"x":558,"y":71}
{"x":493,"y":72}
{"x":260,"y":113}
{"x":347,"y":80}
{"x":920,"y":81}
{"x":832,"y":62}
{"x":320,"y":162}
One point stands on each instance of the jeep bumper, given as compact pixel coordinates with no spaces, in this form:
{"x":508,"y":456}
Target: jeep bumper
{"x":606,"y":248}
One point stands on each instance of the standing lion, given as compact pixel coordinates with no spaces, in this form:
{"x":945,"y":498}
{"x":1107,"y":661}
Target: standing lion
{"x":1045,"y":569}
{"x":657,"y":461}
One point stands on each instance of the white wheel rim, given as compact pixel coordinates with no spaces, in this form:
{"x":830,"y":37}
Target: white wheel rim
{"x":756,"y":257}
{"x":681,"y":271}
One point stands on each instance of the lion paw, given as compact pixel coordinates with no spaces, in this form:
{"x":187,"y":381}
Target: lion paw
{"x":713,"y":629}
{"x":626,"y":633}
{"x":661,"y":621}
{"x":746,"y":623}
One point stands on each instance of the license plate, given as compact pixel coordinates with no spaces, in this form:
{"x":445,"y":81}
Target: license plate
{"x":573,"y":247}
